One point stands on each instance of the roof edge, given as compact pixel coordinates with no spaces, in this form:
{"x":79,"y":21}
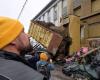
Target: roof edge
{"x":48,"y":5}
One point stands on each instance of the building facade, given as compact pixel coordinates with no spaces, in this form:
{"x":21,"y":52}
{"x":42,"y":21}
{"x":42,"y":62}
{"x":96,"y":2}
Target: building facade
{"x":88,"y":11}
{"x":53,"y":12}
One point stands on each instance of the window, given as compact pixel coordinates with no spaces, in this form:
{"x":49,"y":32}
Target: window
{"x":39,"y":18}
{"x":82,"y":32}
{"x":49,"y":16}
{"x":43,"y":17}
{"x":55,"y":13}
{"x":64,"y":9}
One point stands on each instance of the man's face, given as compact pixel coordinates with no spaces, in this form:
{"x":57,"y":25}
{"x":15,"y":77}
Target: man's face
{"x":24,"y":45}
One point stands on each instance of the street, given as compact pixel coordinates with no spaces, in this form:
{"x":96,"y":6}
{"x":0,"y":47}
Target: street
{"x":58,"y":75}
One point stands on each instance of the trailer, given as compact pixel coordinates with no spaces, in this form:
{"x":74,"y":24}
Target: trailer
{"x":43,"y":34}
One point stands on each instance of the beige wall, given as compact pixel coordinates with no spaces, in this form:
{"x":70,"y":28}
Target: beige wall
{"x":86,"y":7}
{"x":95,"y":5}
{"x":94,"y":30}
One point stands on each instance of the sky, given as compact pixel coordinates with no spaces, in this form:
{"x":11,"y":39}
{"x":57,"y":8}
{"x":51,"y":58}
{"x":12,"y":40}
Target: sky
{"x":12,"y":8}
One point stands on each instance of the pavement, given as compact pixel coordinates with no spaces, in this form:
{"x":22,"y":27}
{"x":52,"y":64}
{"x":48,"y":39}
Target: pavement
{"x":58,"y":75}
